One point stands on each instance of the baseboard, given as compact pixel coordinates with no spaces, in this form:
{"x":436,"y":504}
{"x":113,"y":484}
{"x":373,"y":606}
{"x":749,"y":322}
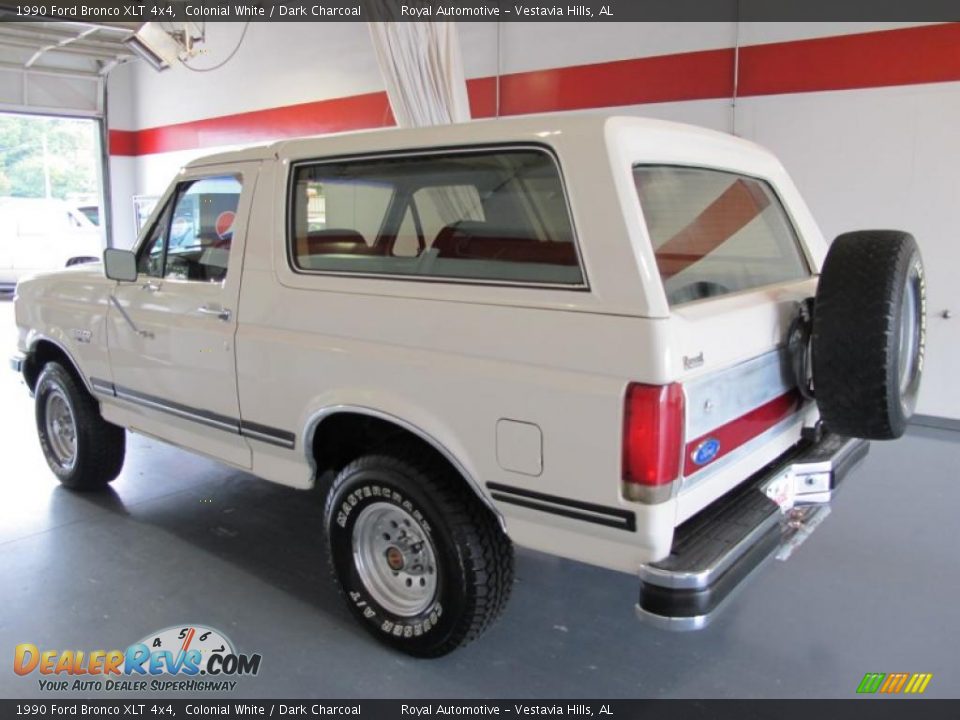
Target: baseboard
{"x":932,"y":421}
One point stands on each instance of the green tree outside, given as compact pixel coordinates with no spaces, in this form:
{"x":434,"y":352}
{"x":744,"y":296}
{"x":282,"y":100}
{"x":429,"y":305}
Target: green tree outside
{"x":68,"y":163}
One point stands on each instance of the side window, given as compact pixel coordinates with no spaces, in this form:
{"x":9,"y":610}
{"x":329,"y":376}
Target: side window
{"x":192,"y":238}
{"x":201,"y":229}
{"x":485,"y":215}
{"x":446,"y":205}
{"x":339,"y":215}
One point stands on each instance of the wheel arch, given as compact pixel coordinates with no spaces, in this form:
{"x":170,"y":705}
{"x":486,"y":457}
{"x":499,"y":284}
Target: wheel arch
{"x":44,"y":350}
{"x":329,"y":422}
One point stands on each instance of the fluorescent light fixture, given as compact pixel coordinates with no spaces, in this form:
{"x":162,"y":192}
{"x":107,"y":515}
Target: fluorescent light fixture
{"x":145,"y":53}
{"x":155,"y":45}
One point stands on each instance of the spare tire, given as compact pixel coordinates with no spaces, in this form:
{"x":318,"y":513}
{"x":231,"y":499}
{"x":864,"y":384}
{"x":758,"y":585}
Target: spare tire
{"x":868,"y":336}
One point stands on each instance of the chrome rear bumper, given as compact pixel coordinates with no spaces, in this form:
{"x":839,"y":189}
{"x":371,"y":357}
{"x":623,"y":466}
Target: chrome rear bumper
{"x":715,"y":551}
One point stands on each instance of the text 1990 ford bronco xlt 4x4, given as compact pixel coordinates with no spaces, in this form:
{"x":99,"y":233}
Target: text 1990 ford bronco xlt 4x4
{"x":596,"y":337}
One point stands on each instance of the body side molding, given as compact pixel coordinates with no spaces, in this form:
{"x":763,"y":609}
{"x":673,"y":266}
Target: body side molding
{"x":264,"y":433}
{"x":565,"y":507}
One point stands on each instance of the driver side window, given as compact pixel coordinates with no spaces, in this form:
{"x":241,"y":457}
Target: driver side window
{"x":191,"y":239}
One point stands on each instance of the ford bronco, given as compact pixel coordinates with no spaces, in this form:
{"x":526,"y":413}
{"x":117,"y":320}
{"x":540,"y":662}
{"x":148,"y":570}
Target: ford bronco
{"x":616,"y":340}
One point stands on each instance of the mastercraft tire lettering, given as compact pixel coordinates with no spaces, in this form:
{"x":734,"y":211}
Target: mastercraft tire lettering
{"x":422,"y":563}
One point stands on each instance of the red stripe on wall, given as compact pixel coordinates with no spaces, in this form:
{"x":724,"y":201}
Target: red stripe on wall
{"x":737,"y":432}
{"x":315,"y":118}
{"x":483,"y":97}
{"x":665,"y":78}
{"x":907,"y":56}
{"x":123,"y":142}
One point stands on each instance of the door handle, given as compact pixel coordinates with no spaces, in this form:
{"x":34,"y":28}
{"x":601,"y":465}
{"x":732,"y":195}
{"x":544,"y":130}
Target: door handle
{"x":220,"y":312}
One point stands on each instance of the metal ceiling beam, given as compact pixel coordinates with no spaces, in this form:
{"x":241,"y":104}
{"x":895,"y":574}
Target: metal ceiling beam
{"x":59,"y":45}
{"x":14,"y":32}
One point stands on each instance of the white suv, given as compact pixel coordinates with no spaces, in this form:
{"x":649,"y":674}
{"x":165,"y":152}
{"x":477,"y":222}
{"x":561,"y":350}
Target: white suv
{"x":602,"y":338}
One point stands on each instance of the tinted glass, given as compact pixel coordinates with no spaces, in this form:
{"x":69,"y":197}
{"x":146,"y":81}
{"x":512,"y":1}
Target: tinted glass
{"x":191,"y":240}
{"x":716,"y":232}
{"x":201,"y":230}
{"x":475,"y":215}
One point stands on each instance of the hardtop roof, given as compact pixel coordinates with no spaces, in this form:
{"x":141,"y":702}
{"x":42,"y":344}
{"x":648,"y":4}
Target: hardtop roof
{"x":535,"y":128}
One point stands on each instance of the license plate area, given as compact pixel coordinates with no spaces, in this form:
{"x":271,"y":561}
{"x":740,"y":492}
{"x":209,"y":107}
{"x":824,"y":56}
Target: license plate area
{"x":782,"y":489}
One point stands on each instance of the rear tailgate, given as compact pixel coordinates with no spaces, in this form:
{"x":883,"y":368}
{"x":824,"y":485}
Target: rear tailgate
{"x":733,"y":269}
{"x":742,"y":406}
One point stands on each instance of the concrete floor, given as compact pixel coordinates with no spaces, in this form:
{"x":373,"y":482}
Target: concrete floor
{"x":180,"y":539}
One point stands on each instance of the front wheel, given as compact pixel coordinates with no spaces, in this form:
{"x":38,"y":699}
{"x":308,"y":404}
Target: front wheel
{"x":83,"y":450}
{"x":422,"y":563}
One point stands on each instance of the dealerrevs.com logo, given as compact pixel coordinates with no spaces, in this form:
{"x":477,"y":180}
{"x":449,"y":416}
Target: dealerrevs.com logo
{"x":186,"y":658}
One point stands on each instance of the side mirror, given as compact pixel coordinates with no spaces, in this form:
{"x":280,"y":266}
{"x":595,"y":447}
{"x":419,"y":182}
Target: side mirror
{"x":120,"y":265}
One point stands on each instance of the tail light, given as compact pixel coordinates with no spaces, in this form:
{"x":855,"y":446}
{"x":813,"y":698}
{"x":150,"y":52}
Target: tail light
{"x":652,"y":439}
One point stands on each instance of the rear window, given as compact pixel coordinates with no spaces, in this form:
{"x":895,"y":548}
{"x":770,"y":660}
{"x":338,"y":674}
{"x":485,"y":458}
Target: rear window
{"x":716,"y":232}
{"x":481,"y":215}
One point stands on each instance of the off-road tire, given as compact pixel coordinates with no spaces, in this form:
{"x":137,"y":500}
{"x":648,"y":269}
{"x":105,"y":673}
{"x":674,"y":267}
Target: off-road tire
{"x":100,"y":446}
{"x":868,"y":334}
{"x":474,"y":556}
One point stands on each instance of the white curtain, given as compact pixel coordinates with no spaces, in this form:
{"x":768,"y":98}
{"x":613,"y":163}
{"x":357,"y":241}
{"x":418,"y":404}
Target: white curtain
{"x":422,"y":68}
{"x":423,"y":71}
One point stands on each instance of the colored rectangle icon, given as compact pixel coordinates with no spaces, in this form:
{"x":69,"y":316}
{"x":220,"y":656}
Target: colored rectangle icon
{"x":894,"y":683}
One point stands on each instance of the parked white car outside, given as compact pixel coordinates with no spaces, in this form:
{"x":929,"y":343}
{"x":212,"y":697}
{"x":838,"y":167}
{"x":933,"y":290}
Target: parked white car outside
{"x":38,"y":235}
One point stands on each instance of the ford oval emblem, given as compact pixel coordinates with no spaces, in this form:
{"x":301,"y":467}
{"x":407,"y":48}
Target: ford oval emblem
{"x":706,"y":451}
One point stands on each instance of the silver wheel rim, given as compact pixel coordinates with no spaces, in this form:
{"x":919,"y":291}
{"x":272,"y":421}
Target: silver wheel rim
{"x":395,"y":559}
{"x":61,"y":429}
{"x":909,"y":333}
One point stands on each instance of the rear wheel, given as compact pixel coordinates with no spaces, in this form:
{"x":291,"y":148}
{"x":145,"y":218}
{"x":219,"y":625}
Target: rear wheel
{"x":422,"y":563}
{"x":869,"y":333}
{"x":83,"y":450}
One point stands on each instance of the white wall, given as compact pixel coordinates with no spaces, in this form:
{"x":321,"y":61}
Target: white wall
{"x":863,"y":158}
{"x":533,"y":46}
{"x":883,"y":158}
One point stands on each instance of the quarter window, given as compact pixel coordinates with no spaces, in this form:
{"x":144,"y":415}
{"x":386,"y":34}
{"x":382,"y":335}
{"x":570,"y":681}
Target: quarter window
{"x":488,"y":215}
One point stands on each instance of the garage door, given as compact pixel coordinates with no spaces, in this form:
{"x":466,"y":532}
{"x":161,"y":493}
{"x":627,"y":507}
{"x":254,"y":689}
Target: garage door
{"x":57,"y":68}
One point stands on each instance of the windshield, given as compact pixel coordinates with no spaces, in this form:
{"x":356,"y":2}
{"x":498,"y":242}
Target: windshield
{"x":716,"y":232}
